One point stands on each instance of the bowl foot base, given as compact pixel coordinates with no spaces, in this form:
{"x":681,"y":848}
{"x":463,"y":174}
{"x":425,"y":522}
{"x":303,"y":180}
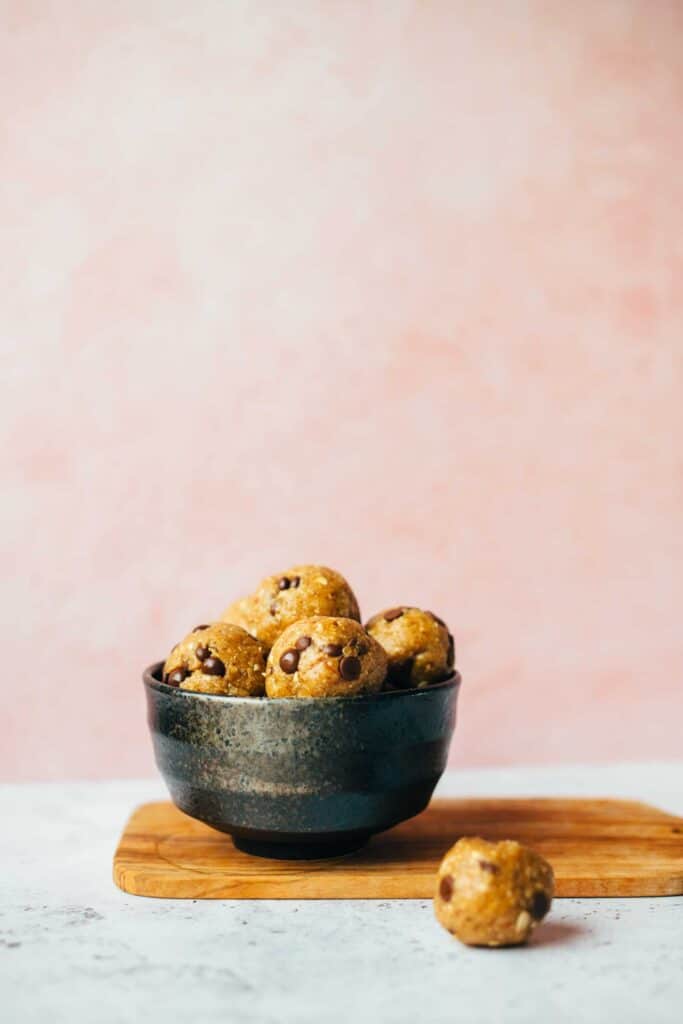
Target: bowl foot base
{"x":302,"y":850}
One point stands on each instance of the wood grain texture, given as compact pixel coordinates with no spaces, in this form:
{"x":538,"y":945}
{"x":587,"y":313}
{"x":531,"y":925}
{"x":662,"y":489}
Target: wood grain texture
{"x":596,"y":847}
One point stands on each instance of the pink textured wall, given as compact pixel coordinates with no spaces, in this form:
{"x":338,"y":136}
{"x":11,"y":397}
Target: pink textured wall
{"x":394,"y":286}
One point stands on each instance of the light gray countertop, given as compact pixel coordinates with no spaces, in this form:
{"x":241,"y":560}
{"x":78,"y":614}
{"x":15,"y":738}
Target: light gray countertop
{"x":73,"y":948}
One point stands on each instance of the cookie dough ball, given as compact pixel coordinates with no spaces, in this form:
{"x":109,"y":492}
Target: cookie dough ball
{"x":325,"y":657}
{"x":419,"y":646}
{"x":240,"y":613}
{"x":297,"y":593}
{"x":492,"y":894}
{"x":220,"y":658}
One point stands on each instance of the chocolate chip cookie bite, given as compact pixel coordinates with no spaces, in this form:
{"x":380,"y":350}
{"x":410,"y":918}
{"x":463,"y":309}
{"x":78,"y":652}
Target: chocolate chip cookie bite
{"x":282,"y":599}
{"x":325,"y":656}
{"x":220,"y":658}
{"x":241,"y":613}
{"x":492,"y":894}
{"x":419,"y":646}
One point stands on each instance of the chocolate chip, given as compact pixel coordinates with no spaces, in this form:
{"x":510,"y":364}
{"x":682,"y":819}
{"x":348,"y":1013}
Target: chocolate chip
{"x":296,"y":580}
{"x":302,"y":643}
{"x":350,"y":668}
{"x":202,"y":652}
{"x":334,"y":650}
{"x":362,"y":648}
{"x":393,"y":613}
{"x":486,"y":865}
{"x":273,"y":608}
{"x":177,"y":676}
{"x":204,"y":625}
{"x":450,"y":657}
{"x":283,"y":583}
{"x":213,"y":667}
{"x":540,"y":904}
{"x":446,"y":888}
{"x":289,"y":661}
{"x":437,"y":619}
{"x":399,"y":674}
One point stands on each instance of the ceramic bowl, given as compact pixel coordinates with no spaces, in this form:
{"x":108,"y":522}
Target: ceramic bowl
{"x":301,"y":778}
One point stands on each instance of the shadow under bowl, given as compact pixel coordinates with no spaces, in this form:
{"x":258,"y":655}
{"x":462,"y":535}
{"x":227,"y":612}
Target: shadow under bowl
{"x":299,"y":778}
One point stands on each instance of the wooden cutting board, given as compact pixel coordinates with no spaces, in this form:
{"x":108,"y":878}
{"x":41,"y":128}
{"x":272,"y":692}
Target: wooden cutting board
{"x":596,"y":847}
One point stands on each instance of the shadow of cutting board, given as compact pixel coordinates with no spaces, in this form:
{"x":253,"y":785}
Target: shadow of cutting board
{"x":596,"y":847}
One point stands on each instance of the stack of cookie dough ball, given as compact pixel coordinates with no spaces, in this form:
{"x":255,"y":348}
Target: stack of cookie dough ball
{"x":299,"y":634}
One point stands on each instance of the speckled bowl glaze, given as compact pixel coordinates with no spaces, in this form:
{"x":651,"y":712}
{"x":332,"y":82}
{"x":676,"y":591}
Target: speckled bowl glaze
{"x":301,"y":778}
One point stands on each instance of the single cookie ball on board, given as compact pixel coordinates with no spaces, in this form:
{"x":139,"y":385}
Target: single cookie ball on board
{"x":420,"y":648}
{"x":325,"y":656}
{"x":492,"y":894}
{"x":297,"y":593}
{"x":218,"y":658}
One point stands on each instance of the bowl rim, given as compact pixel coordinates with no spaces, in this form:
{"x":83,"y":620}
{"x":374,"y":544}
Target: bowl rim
{"x":151,"y":682}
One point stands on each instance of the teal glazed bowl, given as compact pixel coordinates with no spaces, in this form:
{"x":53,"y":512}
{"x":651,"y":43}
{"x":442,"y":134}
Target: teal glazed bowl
{"x":299,"y":778}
